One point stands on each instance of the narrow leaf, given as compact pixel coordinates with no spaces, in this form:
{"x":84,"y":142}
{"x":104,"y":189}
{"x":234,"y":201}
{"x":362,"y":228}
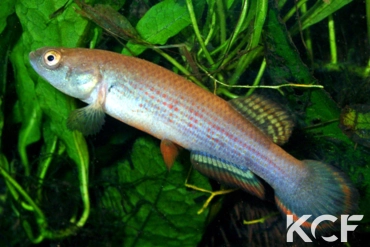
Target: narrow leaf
{"x":318,"y":12}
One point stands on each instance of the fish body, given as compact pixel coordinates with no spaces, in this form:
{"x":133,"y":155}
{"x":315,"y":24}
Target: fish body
{"x":224,"y":144}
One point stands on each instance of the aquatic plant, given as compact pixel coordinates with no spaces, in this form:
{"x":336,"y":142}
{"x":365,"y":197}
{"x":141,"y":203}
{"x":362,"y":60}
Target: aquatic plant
{"x":60,"y":186}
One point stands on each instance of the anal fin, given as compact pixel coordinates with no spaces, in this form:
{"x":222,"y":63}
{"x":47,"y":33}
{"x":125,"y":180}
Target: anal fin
{"x":227,"y":173}
{"x":266,"y":115}
{"x":169,"y":152}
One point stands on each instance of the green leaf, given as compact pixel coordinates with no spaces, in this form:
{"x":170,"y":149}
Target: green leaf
{"x":318,"y":12}
{"x":39,"y":31}
{"x":161,"y":22}
{"x":67,"y":29}
{"x":286,"y":64}
{"x":8,"y":38}
{"x":57,"y":106}
{"x":36,"y":97}
{"x":29,"y":107}
{"x":153,"y":205}
{"x":6,"y":9}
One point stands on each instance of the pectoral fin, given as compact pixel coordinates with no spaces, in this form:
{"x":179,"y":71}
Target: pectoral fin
{"x":169,"y":152}
{"x":87,"y":120}
{"x":90,"y":119}
{"x":226,"y":172}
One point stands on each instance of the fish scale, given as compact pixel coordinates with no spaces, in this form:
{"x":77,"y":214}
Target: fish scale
{"x":227,"y":140}
{"x":238,"y":141}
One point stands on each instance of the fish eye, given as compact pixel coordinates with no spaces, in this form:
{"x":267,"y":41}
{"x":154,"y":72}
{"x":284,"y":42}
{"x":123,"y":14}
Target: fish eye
{"x":52,"y":58}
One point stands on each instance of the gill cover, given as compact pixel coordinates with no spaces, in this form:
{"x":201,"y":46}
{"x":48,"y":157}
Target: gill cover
{"x":68,"y":71}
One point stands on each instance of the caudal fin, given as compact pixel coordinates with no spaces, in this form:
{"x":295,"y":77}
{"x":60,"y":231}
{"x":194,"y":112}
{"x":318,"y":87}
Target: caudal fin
{"x":325,"y":190}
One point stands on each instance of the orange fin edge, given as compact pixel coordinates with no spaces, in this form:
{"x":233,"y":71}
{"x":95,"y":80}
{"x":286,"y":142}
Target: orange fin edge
{"x":169,"y":152}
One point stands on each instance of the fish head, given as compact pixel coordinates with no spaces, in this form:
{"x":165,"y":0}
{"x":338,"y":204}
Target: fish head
{"x":69,"y":70}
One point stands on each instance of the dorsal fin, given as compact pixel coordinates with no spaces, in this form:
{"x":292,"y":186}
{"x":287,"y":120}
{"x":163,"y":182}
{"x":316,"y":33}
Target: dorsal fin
{"x":266,"y":115}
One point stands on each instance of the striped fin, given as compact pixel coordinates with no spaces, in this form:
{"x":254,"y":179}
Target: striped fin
{"x":226,"y":172}
{"x":325,"y":190}
{"x":266,"y":115}
{"x":88,"y":120}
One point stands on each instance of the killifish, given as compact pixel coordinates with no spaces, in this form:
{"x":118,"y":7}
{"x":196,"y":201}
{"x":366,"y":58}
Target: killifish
{"x":235,"y":142}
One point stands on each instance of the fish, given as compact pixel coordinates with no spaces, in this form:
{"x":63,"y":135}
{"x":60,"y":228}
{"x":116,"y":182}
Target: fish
{"x":235,"y":142}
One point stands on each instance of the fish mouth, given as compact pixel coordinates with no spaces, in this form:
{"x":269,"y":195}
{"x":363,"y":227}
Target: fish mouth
{"x":36,"y":53}
{"x":36,"y":56}
{"x":32,"y":55}
{"x":33,"y":58}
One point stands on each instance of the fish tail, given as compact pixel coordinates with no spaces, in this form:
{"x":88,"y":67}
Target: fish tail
{"x":325,"y":190}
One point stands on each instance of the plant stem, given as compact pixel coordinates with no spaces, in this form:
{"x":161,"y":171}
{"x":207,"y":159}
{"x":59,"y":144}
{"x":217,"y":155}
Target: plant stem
{"x":181,"y":68}
{"x":83,"y":177}
{"x":261,"y":12}
{"x":293,"y":10}
{"x":213,"y":22}
{"x":40,"y":217}
{"x":239,"y":24}
{"x":258,"y":24}
{"x":367,"y":72}
{"x":333,"y":45}
{"x":259,"y":76}
{"x":222,"y":21}
{"x":226,"y":92}
{"x":368,"y":21}
{"x":189,"y":4}
{"x":45,"y":165}
{"x":307,"y":36}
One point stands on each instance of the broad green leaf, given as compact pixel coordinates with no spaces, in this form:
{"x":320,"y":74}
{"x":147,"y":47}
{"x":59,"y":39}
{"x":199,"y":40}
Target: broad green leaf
{"x":286,"y":64}
{"x":1,"y":121}
{"x":6,"y":9}
{"x":28,"y":105}
{"x":57,"y":106}
{"x":161,"y":22}
{"x":8,"y":38}
{"x":153,"y":205}
{"x":277,"y":40}
{"x":65,"y":30}
{"x":318,"y":12}
{"x":36,"y":97}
